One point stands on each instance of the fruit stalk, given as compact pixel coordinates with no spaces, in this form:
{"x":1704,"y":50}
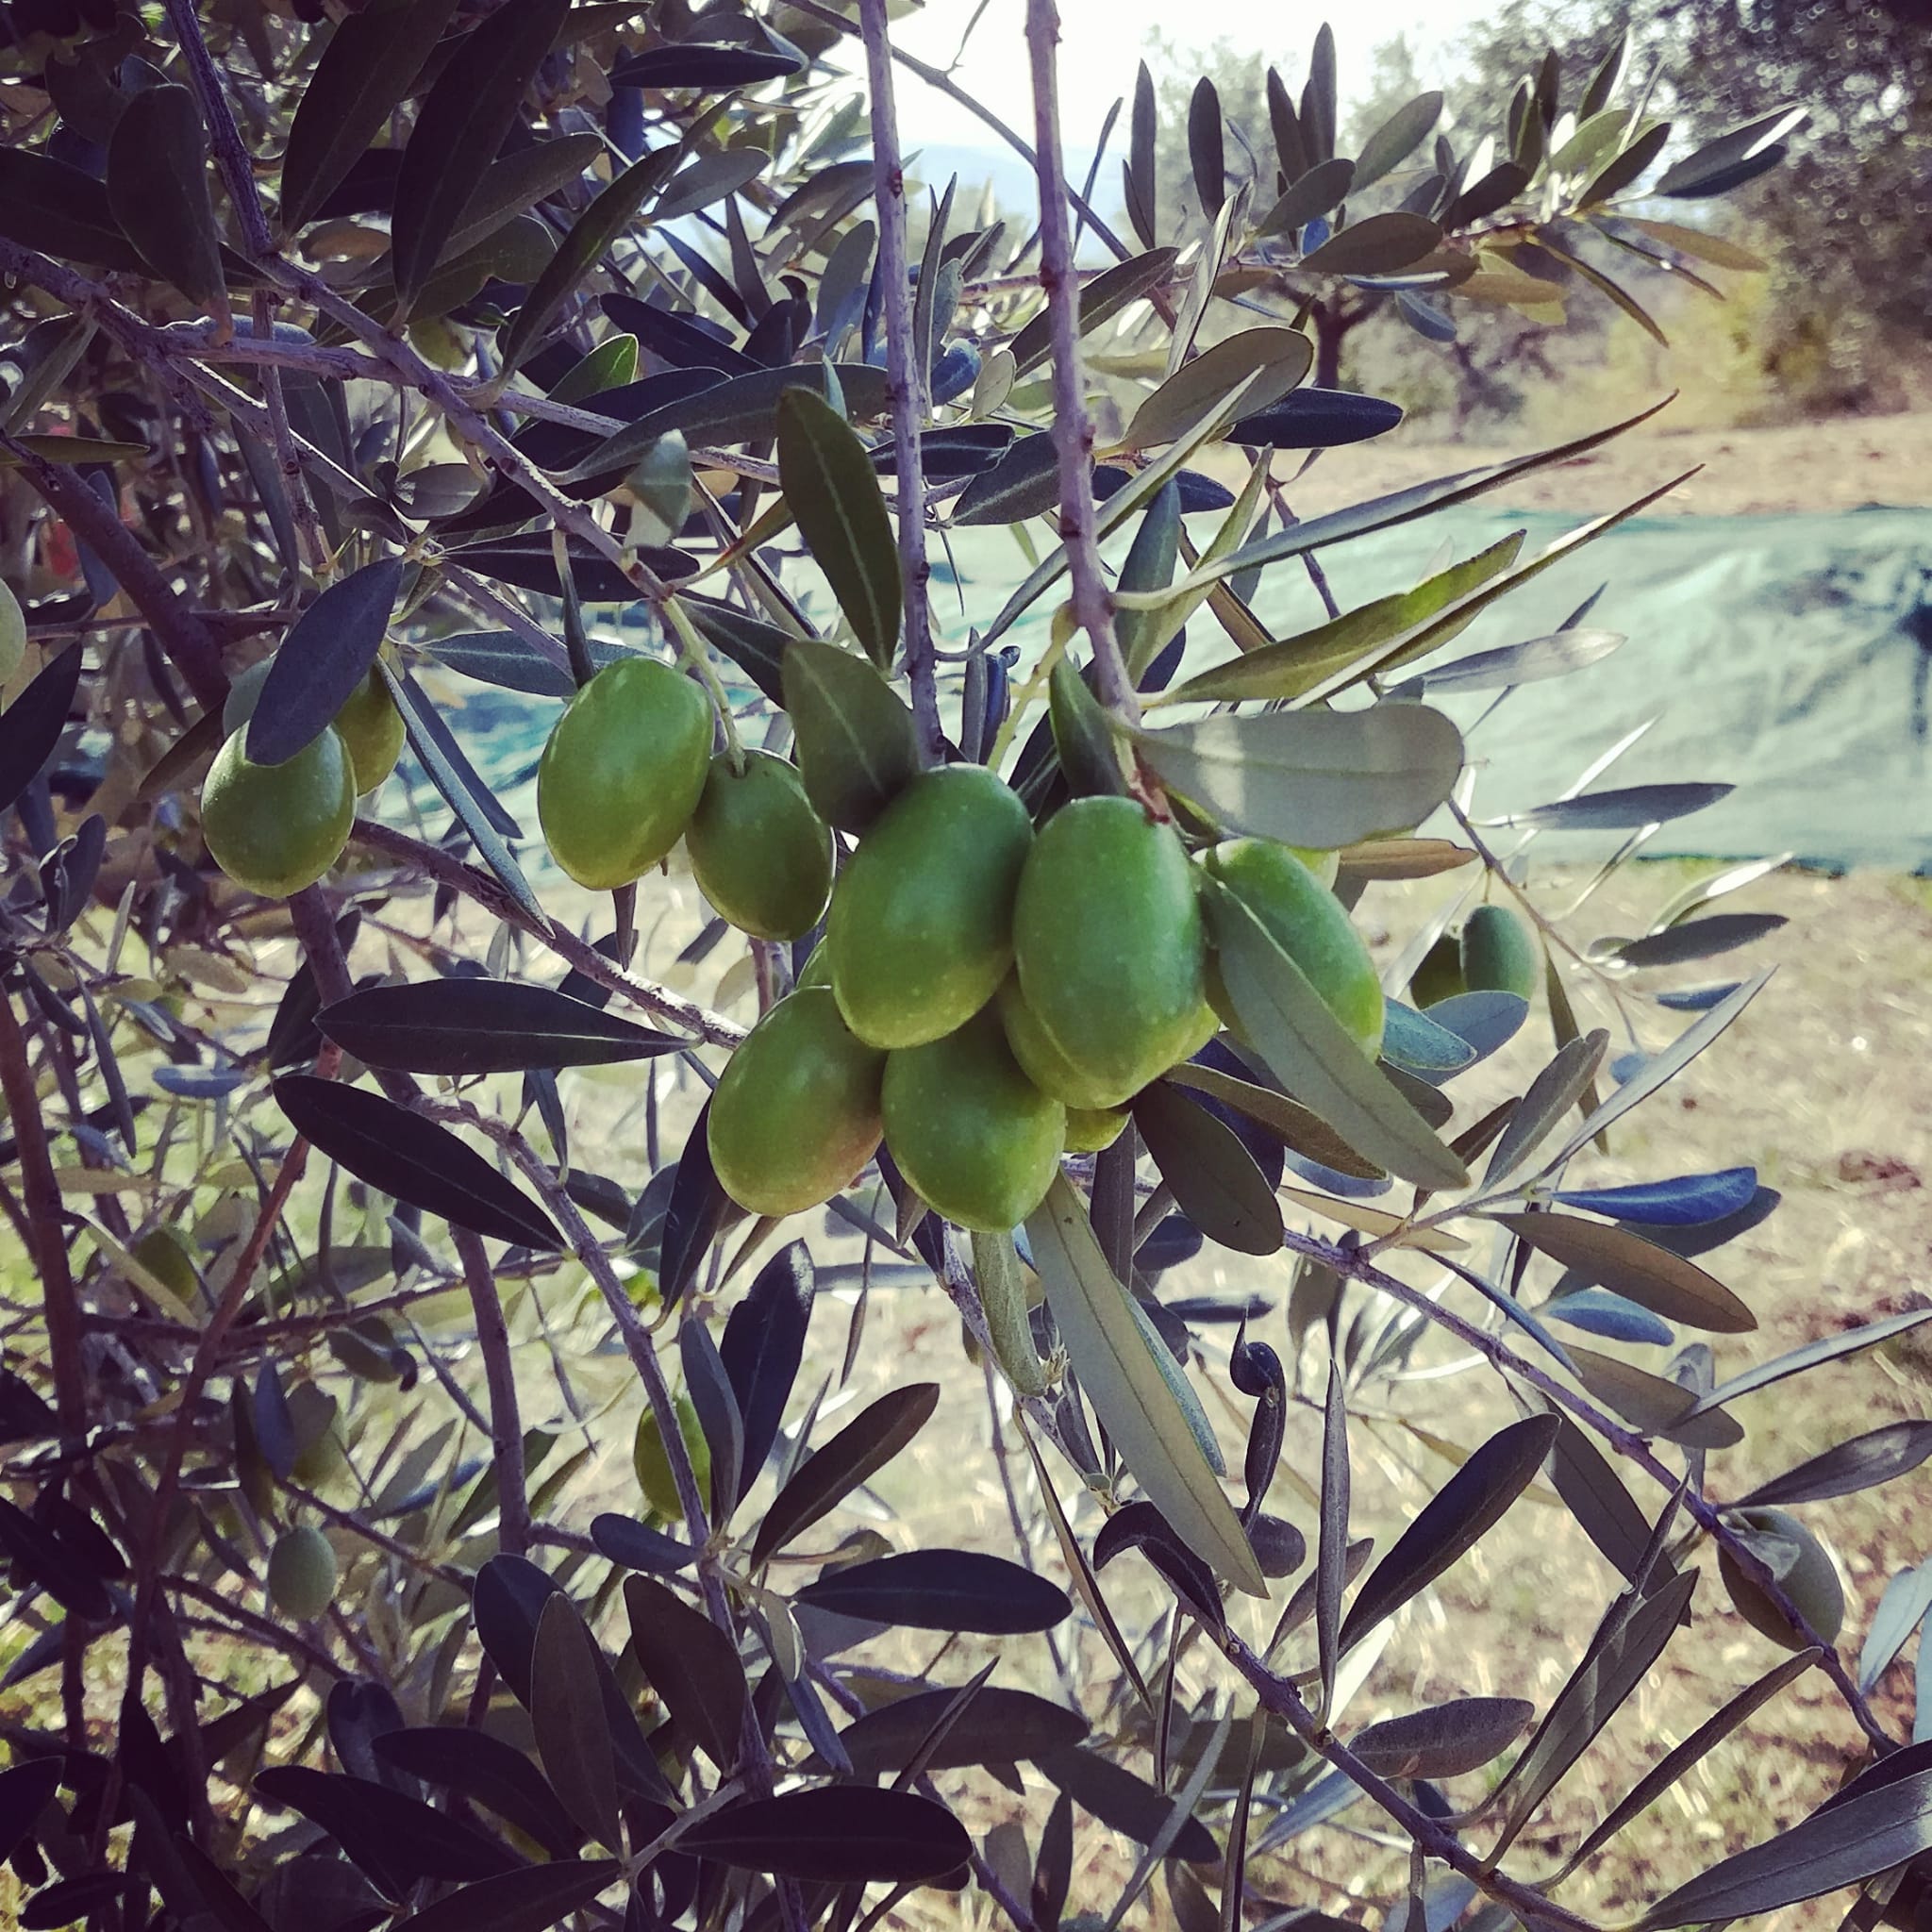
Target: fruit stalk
{"x":1072,"y":431}
{"x":906,"y":373}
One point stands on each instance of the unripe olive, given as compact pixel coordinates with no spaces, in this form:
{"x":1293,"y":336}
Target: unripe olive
{"x":920,"y":931}
{"x":623,"y":772}
{"x":1090,"y":1129}
{"x":372,"y":727}
{"x":1499,"y":953}
{"x":973,"y":1135}
{"x":302,"y":1572}
{"x":1309,"y":924}
{"x":1810,"y":1581}
{"x":761,"y":856}
{"x":313,"y":1415}
{"x":166,"y":1256}
{"x":1109,"y":946}
{"x":12,"y":633}
{"x":795,"y":1116}
{"x":1440,"y":976}
{"x":277,"y":829}
{"x":1040,"y":1058}
{"x":653,"y":1467}
{"x":817,"y":969}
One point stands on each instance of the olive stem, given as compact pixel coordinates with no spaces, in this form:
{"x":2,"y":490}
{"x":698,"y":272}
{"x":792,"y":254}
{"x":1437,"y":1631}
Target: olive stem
{"x":1072,"y":430}
{"x":699,"y":660}
{"x":905,"y":376}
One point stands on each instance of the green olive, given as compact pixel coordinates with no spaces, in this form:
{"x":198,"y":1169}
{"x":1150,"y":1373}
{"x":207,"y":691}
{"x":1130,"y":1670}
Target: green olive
{"x":12,"y":633}
{"x":919,"y":932}
{"x":1108,"y":942}
{"x":372,"y":727}
{"x":1309,"y":924}
{"x":277,"y":829}
{"x":165,"y":1254}
{"x":653,"y":1467}
{"x":623,"y":772}
{"x":761,"y":856}
{"x":1091,"y":1129}
{"x":973,"y":1135}
{"x":302,"y":1572}
{"x":1040,"y":1058}
{"x":1440,"y":976}
{"x":795,"y":1116}
{"x":1810,"y":1581}
{"x":1500,"y":953}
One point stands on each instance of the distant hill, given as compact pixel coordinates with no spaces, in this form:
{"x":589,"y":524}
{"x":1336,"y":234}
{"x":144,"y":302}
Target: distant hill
{"x":1011,"y":178}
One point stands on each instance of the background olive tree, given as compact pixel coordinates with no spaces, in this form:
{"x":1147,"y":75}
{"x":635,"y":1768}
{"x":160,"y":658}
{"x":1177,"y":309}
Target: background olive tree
{"x":421,"y":339}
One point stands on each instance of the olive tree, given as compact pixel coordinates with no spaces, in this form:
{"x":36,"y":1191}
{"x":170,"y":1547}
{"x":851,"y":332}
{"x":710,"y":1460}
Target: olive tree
{"x":436,"y":1485}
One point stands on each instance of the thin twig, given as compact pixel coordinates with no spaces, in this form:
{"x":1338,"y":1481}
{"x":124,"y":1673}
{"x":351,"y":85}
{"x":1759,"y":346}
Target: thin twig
{"x":191,"y":648}
{"x":40,"y":1192}
{"x":905,"y":376}
{"x":1072,"y":431}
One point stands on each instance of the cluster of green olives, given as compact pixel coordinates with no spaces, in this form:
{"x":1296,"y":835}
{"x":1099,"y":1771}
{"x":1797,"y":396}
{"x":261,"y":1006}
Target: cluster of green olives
{"x":628,"y":772}
{"x":989,"y":997}
{"x":276,"y":828}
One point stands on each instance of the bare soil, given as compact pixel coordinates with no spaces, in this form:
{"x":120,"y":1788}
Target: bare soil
{"x":1839,"y":464}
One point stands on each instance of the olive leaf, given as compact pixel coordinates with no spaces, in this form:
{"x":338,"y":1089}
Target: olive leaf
{"x":1131,"y":1395}
{"x":1285,"y":353}
{"x":1654,"y":1277}
{"x":158,"y":189}
{"x":365,"y":73}
{"x":834,"y":497}
{"x":413,"y":1158}
{"x":858,"y":745}
{"x":321,"y":661}
{"x":458,"y":130}
{"x":1315,"y":1056}
{"x":1311,"y":779}
{"x":590,"y":235}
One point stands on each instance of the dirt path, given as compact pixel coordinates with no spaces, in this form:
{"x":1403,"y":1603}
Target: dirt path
{"x":1843,"y":464}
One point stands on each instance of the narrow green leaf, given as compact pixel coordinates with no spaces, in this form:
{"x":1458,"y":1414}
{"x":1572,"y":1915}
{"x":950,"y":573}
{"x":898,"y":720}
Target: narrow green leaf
{"x":1211,"y":1174}
{"x":1397,"y":138}
{"x":709,"y":178}
{"x":692,"y":1665}
{"x":1319,"y":192}
{"x":567,"y":1714}
{"x":1332,"y":1552}
{"x":1693,"y":1750}
{"x":1312,"y":778}
{"x":1216,"y":374}
{"x":1129,"y":1395}
{"x":1445,"y":1740}
{"x":1654,"y":1277}
{"x":1298,"y":665}
{"x":858,"y":745}
{"x":1207,"y":147}
{"x":459,"y":129}
{"x":1844,"y":1470}
{"x":530,"y":1900}
{"x":365,"y":73}
{"x":858,"y":1451}
{"x":1550,"y":1096}
{"x":1653,"y":1404}
{"x":158,"y":189}
{"x":834,"y":493}
{"x":1315,"y":1056}
{"x":590,"y":237}
{"x":1405,"y":506}
{"x":1380,"y":245}
{"x":1797,"y":1361}
{"x":1102,"y":298}
{"x":516,"y":183}
{"x":1470,"y":1503}
{"x":1839,"y":1844}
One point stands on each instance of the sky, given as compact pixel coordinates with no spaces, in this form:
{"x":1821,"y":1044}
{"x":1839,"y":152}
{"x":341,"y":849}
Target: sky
{"x":1103,"y":40}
